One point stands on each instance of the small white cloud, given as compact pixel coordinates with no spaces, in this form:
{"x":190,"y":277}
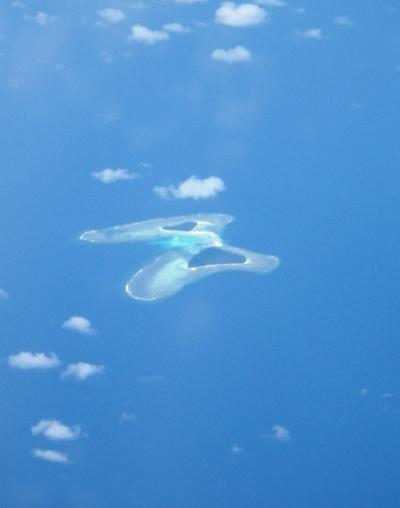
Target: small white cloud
{"x":145,"y":165}
{"x":42,"y":18}
{"x":310,"y":33}
{"x":27,"y":360}
{"x":176,"y":28}
{"x":114,"y":175}
{"x":110,"y":15}
{"x":189,"y":2}
{"x":128,"y":417}
{"x":280,"y":433}
{"x":18,"y":5}
{"x":106,"y":56}
{"x":56,"y":431}
{"x":82,"y":370}
{"x":343,"y":21}
{"x":271,"y":3}
{"x":79,"y":324}
{"x":233,"y":55}
{"x":194,"y":188}
{"x":141,"y":33}
{"x":364,"y":392}
{"x":238,"y":15}
{"x":3,"y":294}
{"x":51,"y":455}
{"x":236,"y":450}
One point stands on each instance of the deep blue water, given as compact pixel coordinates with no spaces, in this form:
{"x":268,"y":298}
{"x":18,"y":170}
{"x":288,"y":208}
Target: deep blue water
{"x":309,"y":177}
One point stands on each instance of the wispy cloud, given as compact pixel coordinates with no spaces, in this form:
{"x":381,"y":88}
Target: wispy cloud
{"x":42,"y":18}
{"x":56,"y":431}
{"x":50,"y":455}
{"x":18,"y":5}
{"x":82,"y":370}
{"x":280,"y":433}
{"x":233,"y":55}
{"x":141,"y":33}
{"x":176,"y":28}
{"x":3,"y":294}
{"x":114,"y":175}
{"x":107,"y":58}
{"x":110,"y":15}
{"x":236,"y":449}
{"x":193,"y":188}
{"x":145,"y":165}
{"x":25,"y":360}
{"x":343,"y":21}
{"x":79,"y":324}
{"x":310,"y":33}
{"x":239,"y":15}
{"x":128,"y":417}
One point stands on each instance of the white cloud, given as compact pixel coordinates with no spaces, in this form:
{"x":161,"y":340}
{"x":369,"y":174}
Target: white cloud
{"x":194,"y":188}
{"x":107,"y":58}
{"x":27,"y":360}
{"x":82,"y":371}
{"x":128,"y":417}
{"x":280,"y":433}
{"x":51,"y":455}
{"x":343,"y":21}
{"x":143,"y":34}
{"x":79,"y":324}
{"x":18,"y":5}
{"x":113,"y":175}
{"x":236,"y":450}
{"x":310,"y":33}
{"x":233,"y":55}
{"x":56,"y":431}
{"x":3,"y":294}
{"x":271,"y":3}
{"x":145,"y":165}
{"x":246,"y":14}
{"x":42,"y":18}
{"x":110,"y":15}
{"x":176,"y":28}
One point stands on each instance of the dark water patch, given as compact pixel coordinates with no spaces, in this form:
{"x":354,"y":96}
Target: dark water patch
{"x":185,"y":226}
{"x":215,"y":256}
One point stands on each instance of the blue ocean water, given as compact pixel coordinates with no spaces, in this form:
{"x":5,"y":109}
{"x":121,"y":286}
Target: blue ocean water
{"x":305,"y":137}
